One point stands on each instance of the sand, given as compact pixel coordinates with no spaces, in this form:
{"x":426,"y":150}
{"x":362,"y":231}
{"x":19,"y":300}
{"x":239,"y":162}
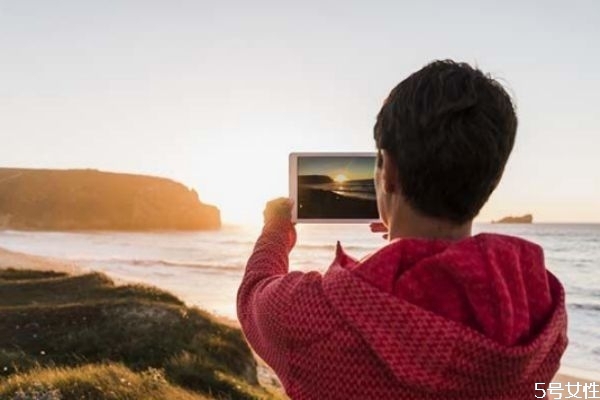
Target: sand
{"x":12,"y":259}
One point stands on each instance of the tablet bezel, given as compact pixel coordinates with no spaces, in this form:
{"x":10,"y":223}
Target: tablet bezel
{"x":293,"y":186}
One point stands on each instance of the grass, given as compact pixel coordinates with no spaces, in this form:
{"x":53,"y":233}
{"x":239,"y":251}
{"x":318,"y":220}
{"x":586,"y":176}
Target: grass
{"x":109,"y":381}
{"x":78,"y":335}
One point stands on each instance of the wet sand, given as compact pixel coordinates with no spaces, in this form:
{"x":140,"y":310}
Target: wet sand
{"x":16,"y":260}
{"x":317,"y":203}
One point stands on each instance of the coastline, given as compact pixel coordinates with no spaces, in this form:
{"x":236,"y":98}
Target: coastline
{"x":18,"y":260}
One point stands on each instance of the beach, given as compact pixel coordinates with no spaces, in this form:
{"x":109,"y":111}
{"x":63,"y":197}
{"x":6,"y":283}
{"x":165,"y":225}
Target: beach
{"x":19,"y":260}
{"x":13,"y":259}
{"x":320,"y":203}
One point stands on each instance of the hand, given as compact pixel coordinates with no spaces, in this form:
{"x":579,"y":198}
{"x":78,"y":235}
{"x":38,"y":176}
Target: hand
{"x":377,"y":227}
{"x":279,"y":208}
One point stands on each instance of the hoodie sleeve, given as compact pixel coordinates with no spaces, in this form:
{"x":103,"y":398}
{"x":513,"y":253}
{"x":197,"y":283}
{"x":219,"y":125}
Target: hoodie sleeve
{"x":264,"y":296}
{"x":282,"y":311}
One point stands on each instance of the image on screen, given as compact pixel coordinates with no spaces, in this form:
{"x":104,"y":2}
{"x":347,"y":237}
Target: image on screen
{"x":336,"y":188}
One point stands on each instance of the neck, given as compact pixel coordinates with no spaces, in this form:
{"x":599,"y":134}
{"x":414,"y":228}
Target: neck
{"x":413,"y":225}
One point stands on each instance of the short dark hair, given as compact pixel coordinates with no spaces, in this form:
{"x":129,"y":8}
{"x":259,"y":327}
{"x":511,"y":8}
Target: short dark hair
{"x":449,"y":128}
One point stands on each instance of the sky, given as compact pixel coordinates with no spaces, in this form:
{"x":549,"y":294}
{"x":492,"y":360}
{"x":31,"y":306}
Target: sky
{"x":336,"y":167}
{"x":216,"y":94}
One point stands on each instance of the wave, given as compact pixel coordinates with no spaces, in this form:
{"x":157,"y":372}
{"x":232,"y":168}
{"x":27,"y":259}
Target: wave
{"x":585,"y":306}
{"x":356,"y":195}
{"x":236,"y":242}
{"x":167,"y":263}
{"x":332,"y":247}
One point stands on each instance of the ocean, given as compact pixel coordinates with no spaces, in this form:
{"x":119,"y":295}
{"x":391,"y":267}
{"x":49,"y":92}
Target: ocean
{"x":205,"y":268}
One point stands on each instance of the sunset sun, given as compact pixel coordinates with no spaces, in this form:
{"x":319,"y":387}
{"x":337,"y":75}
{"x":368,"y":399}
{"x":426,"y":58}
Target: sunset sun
{"x":341,"y":178}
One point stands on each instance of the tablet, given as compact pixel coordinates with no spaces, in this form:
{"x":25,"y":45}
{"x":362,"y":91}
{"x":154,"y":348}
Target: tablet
{"x":333,"y":187}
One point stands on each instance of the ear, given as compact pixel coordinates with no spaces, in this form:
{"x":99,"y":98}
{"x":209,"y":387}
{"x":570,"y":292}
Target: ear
{"x":389,"y":173}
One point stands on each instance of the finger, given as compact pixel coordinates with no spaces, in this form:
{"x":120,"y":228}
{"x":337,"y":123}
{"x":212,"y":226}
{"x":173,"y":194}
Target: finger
{"x":377,"y":227}
{"x":279,"y":202}
{"x":279,"y":207}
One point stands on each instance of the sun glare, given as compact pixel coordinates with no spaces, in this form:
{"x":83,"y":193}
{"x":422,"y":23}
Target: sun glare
{"x":341,"y":178}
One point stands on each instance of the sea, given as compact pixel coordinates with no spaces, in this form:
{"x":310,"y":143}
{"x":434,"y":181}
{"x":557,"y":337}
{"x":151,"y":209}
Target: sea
{"x":205,"y":268}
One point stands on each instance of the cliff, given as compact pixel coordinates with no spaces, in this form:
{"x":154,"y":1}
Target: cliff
{"x":524,"y":219}
{"x":94,"y":200}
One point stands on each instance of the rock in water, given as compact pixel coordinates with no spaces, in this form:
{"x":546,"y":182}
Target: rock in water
{"x":524,"y":219}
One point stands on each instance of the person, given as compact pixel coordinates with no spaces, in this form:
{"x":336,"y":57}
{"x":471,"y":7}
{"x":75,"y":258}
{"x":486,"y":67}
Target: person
{"x":436,"y":312}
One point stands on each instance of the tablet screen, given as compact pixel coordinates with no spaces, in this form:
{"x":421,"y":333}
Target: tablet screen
{"x":334,"y":187}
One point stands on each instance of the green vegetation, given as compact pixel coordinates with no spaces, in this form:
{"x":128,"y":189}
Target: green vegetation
{"x":111,"y":381}
{"x":82,"y":337}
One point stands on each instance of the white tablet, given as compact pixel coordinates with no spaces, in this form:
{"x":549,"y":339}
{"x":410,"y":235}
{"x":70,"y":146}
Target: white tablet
{"x":333,"y":187}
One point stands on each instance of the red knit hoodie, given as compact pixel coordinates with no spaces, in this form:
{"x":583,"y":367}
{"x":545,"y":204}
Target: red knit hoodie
{"x":479,"y":318}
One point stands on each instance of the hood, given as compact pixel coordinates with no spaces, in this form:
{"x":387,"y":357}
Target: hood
{"x":452,"y":316}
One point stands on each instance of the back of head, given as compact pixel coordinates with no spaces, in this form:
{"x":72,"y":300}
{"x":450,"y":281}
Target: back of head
{"x":449,"y":128}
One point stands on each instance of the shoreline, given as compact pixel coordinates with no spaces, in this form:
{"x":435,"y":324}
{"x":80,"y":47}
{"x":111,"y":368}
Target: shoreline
{"x":18,"y":260}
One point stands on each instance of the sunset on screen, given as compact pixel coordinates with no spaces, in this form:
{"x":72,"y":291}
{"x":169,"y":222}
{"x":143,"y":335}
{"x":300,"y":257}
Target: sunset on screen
{"x":340,"y":178}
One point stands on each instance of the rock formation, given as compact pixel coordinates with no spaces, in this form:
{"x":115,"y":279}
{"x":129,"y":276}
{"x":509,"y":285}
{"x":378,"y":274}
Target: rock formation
{"x":40,"y":199}
{"x":524,"y":219}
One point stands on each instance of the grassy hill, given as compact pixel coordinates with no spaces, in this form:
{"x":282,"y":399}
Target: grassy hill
{"x":83,"y":337}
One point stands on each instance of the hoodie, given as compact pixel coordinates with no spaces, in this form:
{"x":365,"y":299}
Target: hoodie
{"x":479,"y":318}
